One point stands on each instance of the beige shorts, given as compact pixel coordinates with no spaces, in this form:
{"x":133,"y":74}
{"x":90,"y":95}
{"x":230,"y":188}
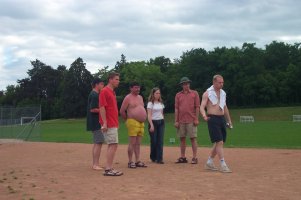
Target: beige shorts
{"x":111,"y":136}
{"x":187,"y":130}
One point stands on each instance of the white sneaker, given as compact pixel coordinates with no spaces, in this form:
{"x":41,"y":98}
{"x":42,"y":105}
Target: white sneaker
{"x":210,"y":166}
{"x":225,"y":169}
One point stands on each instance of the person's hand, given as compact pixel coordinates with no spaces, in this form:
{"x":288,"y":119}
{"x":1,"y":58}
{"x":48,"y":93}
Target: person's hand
{"x":195,"y":122}
{"x":229,"y":125}
{"x":151,"y":129}
{"x":206,"y":118}
{"x":104,"y":128}
{"x":176,"y":124}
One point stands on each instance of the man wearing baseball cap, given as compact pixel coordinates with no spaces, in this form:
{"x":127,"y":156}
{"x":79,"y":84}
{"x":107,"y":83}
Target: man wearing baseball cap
{"x":187,"y":103}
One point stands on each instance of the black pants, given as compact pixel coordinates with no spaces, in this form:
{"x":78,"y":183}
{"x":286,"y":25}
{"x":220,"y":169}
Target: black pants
{"x":157,"y":138}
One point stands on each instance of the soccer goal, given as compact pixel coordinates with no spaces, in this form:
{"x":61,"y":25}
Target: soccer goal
{"x":26,"y":120}
{"x":247,"y":119}
{"x":20,"y":123}
{"x":296,"y":118}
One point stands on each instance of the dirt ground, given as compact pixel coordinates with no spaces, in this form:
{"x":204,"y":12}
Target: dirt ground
{"x":62,"y":171}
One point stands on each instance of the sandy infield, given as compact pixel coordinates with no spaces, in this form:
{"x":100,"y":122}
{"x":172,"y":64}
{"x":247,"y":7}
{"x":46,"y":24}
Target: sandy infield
{"x":63,"y":171}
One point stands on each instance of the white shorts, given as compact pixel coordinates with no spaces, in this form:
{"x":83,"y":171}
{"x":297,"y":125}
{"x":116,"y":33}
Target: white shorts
{"x":111,"y":136}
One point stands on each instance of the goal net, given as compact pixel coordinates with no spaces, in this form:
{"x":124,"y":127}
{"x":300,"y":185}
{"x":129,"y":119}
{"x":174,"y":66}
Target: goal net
{"x":20,"y":123}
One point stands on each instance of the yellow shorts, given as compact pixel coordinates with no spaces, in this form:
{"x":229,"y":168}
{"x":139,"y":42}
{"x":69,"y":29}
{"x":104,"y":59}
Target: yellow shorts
{"x":134,"y":127}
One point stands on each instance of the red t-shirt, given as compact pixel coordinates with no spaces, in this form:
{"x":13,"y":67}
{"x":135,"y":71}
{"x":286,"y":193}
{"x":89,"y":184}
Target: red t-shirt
{"x":187,"y":105}
{"x":107,"y":99}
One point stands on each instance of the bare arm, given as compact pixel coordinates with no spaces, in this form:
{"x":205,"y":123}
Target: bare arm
{"x":150,"y":121}
{"x":227,"y":115}
{"x":176,"y":118}
{"x":203,"y":106}
{"x":197,"y":107}
{"x":196,"y":120}
{"x":123,"y":108}
{"x":94,"y":110}
{"x":104,"y":119}
{"x":176,"y":112}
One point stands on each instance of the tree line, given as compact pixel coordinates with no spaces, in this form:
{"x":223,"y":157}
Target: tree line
{"x":253,"y":77}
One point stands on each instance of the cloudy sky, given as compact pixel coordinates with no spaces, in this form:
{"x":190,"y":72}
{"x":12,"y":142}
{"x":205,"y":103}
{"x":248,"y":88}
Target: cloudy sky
{"x":99,"y":31}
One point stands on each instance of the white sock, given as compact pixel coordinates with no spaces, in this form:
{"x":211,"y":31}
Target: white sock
{"x":210,"y":160}
{"x":223,"y":163}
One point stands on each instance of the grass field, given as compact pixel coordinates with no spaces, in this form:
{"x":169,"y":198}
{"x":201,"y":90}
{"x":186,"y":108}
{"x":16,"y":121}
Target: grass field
{"x":273,"y":128}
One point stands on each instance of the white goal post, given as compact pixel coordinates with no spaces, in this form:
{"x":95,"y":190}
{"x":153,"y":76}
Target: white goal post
{"x":296,"y":118}
{"x":248,"y":118}
{"x":27,"y":120}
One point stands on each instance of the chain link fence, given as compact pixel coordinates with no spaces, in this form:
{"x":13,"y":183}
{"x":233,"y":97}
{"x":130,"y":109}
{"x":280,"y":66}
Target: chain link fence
{"x":20,"y":123}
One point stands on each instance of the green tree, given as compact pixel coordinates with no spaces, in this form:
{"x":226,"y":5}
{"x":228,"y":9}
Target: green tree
{"x":77,"y":85}
{"x":161,"y":61}
{"x":9,"y":97}
{"x":147,"y":75}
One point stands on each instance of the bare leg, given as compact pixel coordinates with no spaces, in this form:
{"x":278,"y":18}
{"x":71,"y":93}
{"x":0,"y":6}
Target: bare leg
{"x":96,"y":154}
{"x":194,"y":146}
{"x":183,"y":146}
{"x":131,"y":147}
{"x":219,"y":149}
{"x":110,"y":155}
{"x":213,"y":151}
{"x":137,"y":148}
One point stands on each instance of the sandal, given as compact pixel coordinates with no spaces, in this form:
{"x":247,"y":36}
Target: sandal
{"x":131,"y":165}
{"x":140,"y":164}
{"x":194,"y":161}
{"x":112,"y":172}
{"x":182,"y":160}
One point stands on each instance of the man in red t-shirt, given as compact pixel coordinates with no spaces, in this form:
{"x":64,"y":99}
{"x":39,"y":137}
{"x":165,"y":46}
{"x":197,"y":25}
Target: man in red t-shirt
{"x":109,"y":121}
{"x":187,"y":104}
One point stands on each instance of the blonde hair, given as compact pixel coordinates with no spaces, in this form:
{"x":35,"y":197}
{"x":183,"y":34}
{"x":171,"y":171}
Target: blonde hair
{"x":217,"y":76}
{"x":151,"y":97}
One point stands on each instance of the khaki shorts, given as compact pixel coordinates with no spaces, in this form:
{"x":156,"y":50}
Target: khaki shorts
{"x":187,"y":130}
{"x":134,"y":127}
{"x":111,"y":136}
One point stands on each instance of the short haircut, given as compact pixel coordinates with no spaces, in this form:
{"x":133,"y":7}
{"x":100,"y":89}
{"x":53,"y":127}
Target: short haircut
{"x":217,"y":76}
{"x":134,"y":83}
{"x":112,"y":75}
{"x":96,"y":81}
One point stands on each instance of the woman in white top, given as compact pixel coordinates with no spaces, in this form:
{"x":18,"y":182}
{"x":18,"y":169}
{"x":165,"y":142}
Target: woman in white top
{"x":155,"y":117}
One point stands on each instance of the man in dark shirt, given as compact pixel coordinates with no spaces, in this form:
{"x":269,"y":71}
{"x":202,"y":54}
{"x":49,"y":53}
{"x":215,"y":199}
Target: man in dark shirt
{"x":93,"y":121}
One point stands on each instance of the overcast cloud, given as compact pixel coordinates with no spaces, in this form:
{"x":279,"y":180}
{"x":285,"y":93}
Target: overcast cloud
{"x":99,"y":31}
